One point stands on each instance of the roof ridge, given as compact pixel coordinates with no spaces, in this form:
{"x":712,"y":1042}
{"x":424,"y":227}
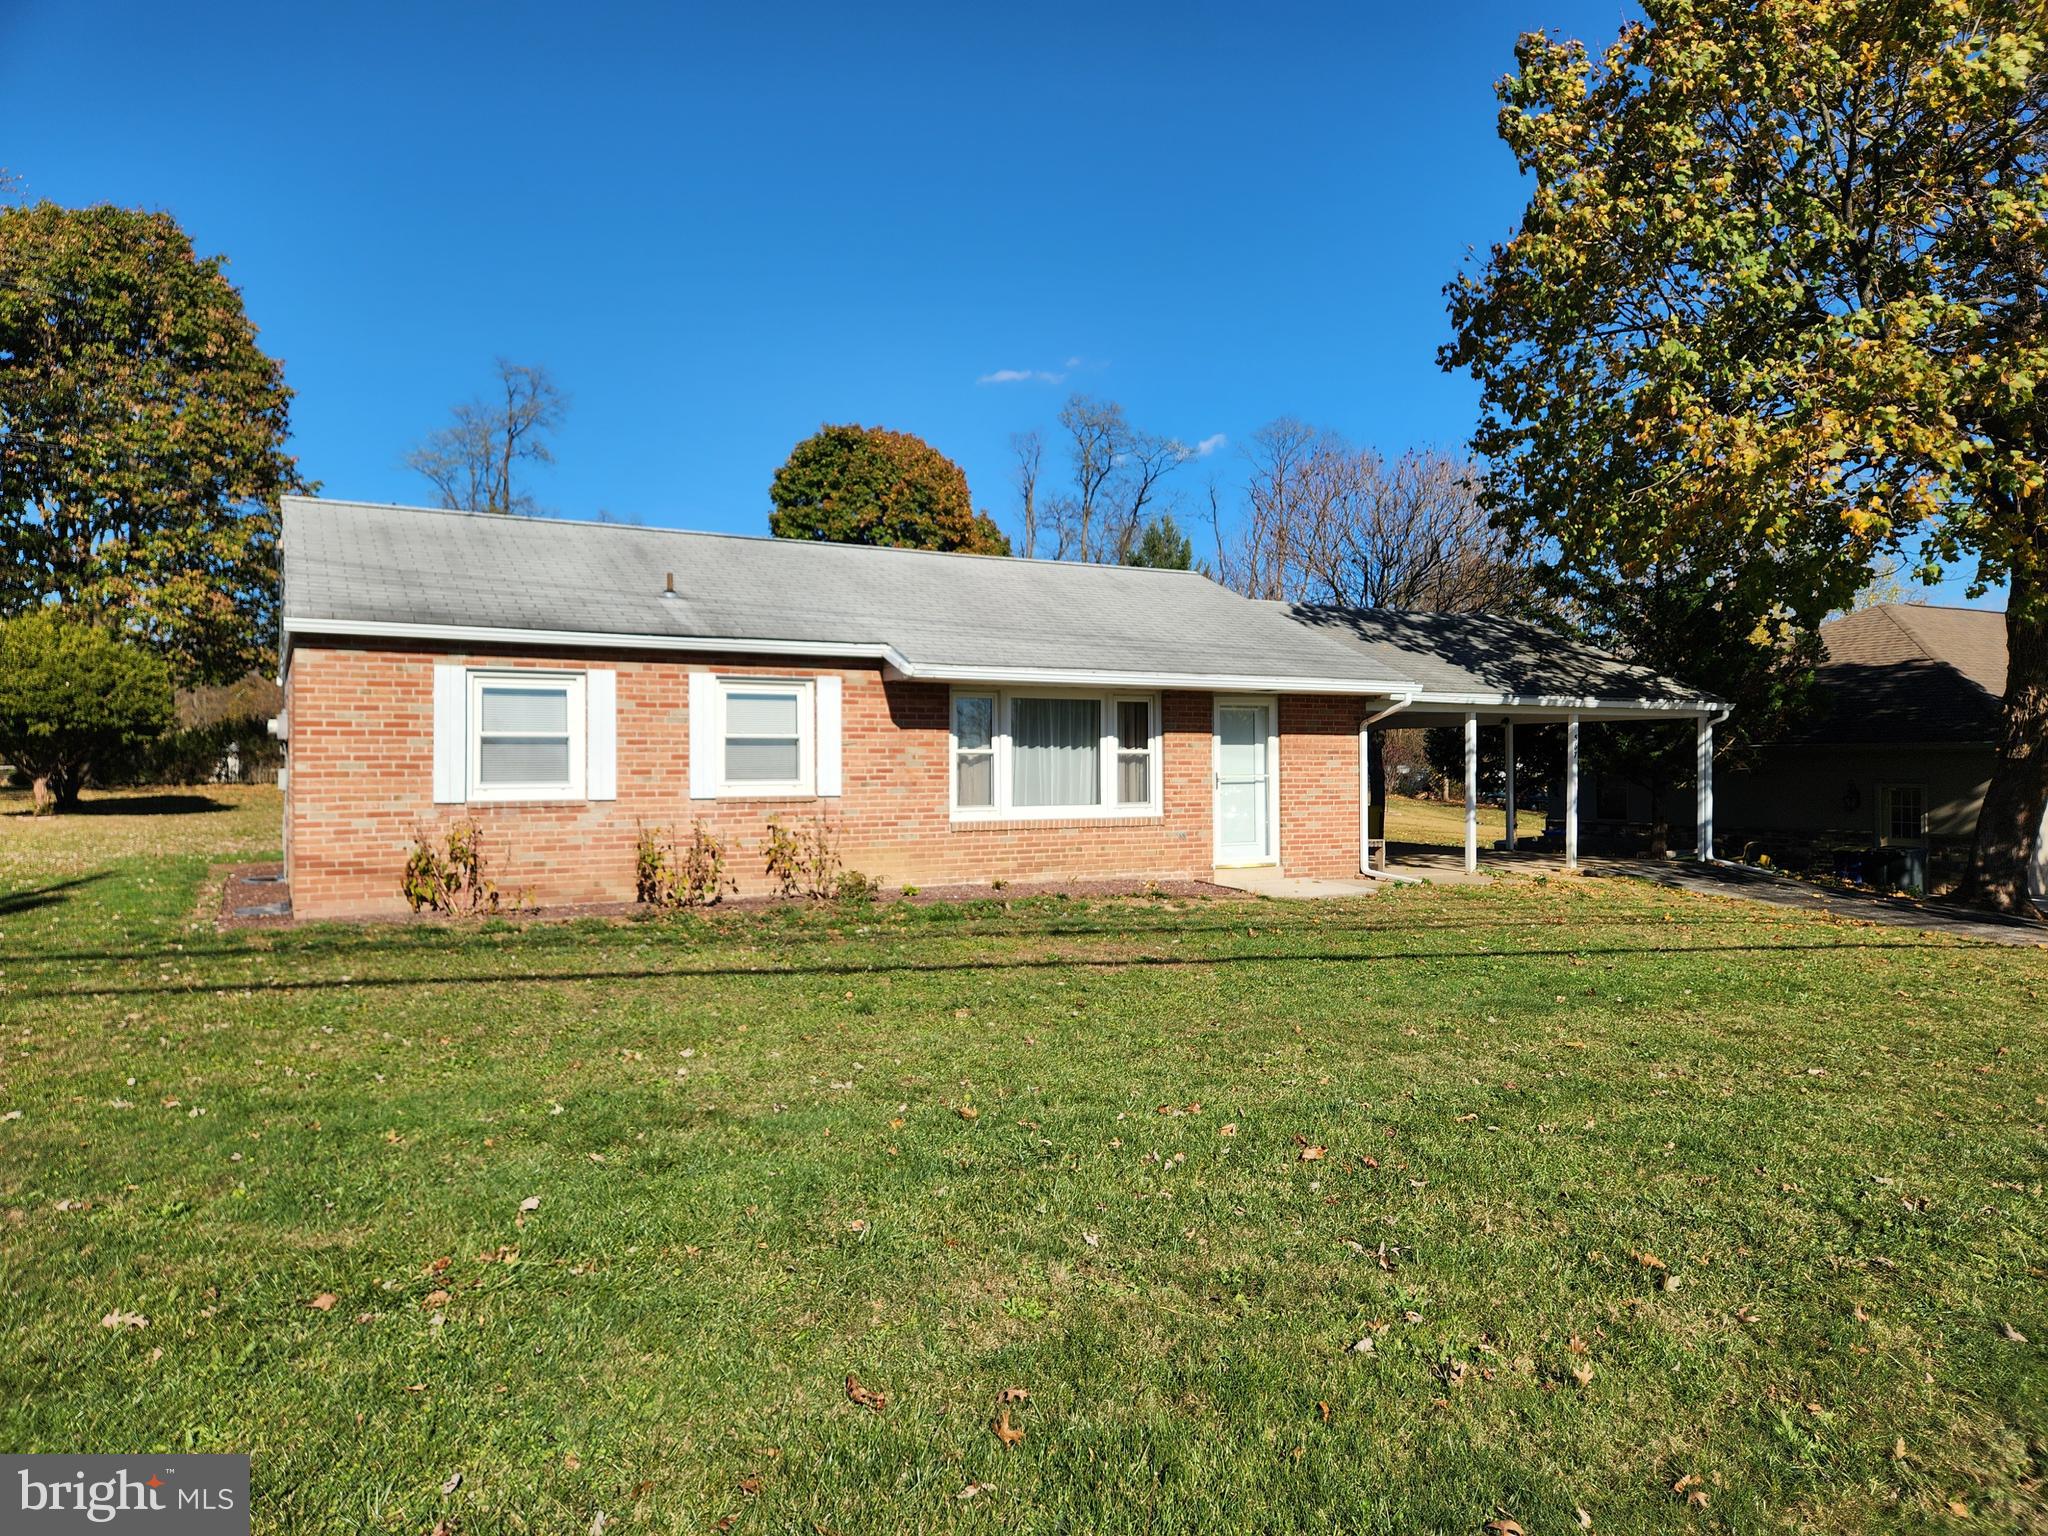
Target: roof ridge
{"x":511,"y":518}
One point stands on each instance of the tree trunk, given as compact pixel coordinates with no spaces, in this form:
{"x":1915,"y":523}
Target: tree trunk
{"x":2011,"y":818}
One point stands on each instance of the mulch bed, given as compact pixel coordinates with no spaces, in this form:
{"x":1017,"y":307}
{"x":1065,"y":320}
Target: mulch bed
{"x":255,"y":896}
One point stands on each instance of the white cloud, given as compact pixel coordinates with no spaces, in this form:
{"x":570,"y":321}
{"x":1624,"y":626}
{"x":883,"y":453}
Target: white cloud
{"x":1209,"y":445}
{"x":1020,"y":376}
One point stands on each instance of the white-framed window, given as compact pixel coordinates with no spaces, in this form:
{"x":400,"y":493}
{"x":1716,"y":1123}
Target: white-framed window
{"x":1904,"y":814}
{"x":974,"y":751}
{"x":1041,"y":753}
{"x":765,"y":737}
{"x":526,"y":735}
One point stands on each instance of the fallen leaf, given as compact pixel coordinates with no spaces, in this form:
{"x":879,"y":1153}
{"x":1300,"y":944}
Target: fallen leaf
{"x":1005,"y":1431}
{"x":1311,"y":1154}
{"x":875,"y":1401}
{"x":1505,"y":1526}
{"x":454,"y":1482}
{"x":1585,"y":1520}
{"x":1582,"y":1373}
{"x":435,"y":1299}
{"x":1667,"y":1282}
{"x":975,"y":1490}
{"x":530,"y":1203}
{"x":598,"y":1522}
{"x":119,"y":1319}
{"x":2010,"y":1334}
{"x":1323,"y":1411}
{"x":1364,"y":1346}
{"x":443,"y":1528}
{"x":750,"y":1486}
{"x":1649,"y":1261}
{"x":1899,"y":1449}
{"x":571,"y":1460}
{"x":1227,"y":1130}
{"x":1959,"y":1509}
{"x":324,"y":1302}
{"x":1013,"y":1395}
{"x":969,"y":1112}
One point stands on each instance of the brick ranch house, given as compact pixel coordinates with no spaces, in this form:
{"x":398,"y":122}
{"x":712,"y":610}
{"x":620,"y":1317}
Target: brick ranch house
{"x":952,"y":718}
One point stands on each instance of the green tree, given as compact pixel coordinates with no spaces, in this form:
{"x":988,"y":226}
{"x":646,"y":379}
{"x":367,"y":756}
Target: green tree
{"x":142,"y":437}
{"x":72,"y":699}
{"x":868,"y":485}
{"x":1778,"y":294}
{"x":1163,"y":545}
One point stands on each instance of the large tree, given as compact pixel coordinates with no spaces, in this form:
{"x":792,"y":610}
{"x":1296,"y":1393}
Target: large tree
{"x":142,"y":438}
{"x":1778,"y":296}
{"x":867,"y":485}
{"x":1118,"y":472}
{"x":1328,"y":521}
{"x":73,"y":699}
{"x":473,"y":462}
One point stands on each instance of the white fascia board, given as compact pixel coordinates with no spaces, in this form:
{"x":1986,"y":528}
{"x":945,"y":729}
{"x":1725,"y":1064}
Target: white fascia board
{"x":1221,"y":682}
{"x":1428,"y":698}
{"x":467,"y":634}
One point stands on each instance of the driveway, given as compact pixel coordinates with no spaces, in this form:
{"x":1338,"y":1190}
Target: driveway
{"x":1781,"y":891}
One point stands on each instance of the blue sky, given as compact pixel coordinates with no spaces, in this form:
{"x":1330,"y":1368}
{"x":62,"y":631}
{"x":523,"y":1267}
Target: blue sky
{"x":722,"y":226}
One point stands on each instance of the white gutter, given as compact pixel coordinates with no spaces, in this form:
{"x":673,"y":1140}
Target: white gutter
{"x":467,"y":634}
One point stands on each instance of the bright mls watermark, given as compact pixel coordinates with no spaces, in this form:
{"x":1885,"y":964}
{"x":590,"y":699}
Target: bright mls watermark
{"x":162,"y":1495}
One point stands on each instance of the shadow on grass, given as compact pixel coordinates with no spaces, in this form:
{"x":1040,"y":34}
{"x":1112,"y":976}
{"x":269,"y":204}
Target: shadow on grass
{"x":134,"y":805}
{"x":398,"y":937}
{"x":945,"y":967}
{"x":13,"y":903}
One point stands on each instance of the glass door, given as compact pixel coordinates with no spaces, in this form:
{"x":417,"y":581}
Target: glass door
{"x":1244,"y":833}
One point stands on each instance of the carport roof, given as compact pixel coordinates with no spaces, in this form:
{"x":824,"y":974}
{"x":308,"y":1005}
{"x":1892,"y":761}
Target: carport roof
{"x":1484,"y":661}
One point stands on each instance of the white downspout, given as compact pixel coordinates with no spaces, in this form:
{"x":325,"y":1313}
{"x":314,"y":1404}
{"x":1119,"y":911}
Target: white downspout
{"x":1471,"y":792}
{"x":1365,"y":795}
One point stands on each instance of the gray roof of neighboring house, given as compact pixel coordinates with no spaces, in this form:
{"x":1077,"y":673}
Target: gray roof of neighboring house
{"x":352,"y":567}
{"x":1464,"y":654}
{"x":1903,"y":673}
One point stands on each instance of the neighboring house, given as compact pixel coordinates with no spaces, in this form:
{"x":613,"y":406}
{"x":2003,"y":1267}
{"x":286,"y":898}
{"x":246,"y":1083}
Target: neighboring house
{"x":953,"y":718}
{"x":1896,"y":755}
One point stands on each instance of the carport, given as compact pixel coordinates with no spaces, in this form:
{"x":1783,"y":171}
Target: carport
{"x":1477,"y":671}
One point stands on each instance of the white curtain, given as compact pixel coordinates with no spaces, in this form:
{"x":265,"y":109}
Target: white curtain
{"x":1056,"y":751}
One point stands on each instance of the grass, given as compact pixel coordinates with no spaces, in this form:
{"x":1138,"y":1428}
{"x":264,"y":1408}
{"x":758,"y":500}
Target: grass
{"x":1442,"y":822}
{"x":755,"y":1175}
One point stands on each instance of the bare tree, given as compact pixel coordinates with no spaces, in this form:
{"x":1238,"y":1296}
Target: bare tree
{"x":1329,"y":522}
{"x":1029,"y":447}
{"x":470,"y":461}
{"x":1117,"y":473}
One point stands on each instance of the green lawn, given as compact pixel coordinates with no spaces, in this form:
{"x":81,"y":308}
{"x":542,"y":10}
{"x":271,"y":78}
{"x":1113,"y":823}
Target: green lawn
{"x":1779,"y":1177}
{"x":1442,"y":822}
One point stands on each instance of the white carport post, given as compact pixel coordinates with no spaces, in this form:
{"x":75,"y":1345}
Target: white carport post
{"x":1705,"y":782}
{"x":1508,"y":729}
{"x":1471,"y":792}
{"x":1571,"y":790}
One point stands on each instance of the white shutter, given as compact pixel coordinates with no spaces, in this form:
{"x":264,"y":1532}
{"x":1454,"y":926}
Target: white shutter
{"x":451,"y":733}
{"x":601,"y":735}
{"x":703,"y":736}
{"x":830,"y":774}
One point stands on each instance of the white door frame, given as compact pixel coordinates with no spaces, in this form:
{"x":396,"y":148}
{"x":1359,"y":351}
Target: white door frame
{"x":1270,"y":703}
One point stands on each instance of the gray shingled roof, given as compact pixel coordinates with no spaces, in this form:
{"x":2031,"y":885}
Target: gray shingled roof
{"x":351,"y":567}
{"x":1463,"y":654}
{"x":1904,"y":673}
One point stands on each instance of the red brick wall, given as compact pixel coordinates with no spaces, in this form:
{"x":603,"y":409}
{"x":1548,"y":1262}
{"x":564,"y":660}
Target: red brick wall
{"x":1319,"y":784}
{"x":360,"y":784}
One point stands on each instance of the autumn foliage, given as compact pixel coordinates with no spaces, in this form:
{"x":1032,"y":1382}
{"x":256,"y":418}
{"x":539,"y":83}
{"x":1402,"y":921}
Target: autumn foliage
{"x":868,"y":485}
